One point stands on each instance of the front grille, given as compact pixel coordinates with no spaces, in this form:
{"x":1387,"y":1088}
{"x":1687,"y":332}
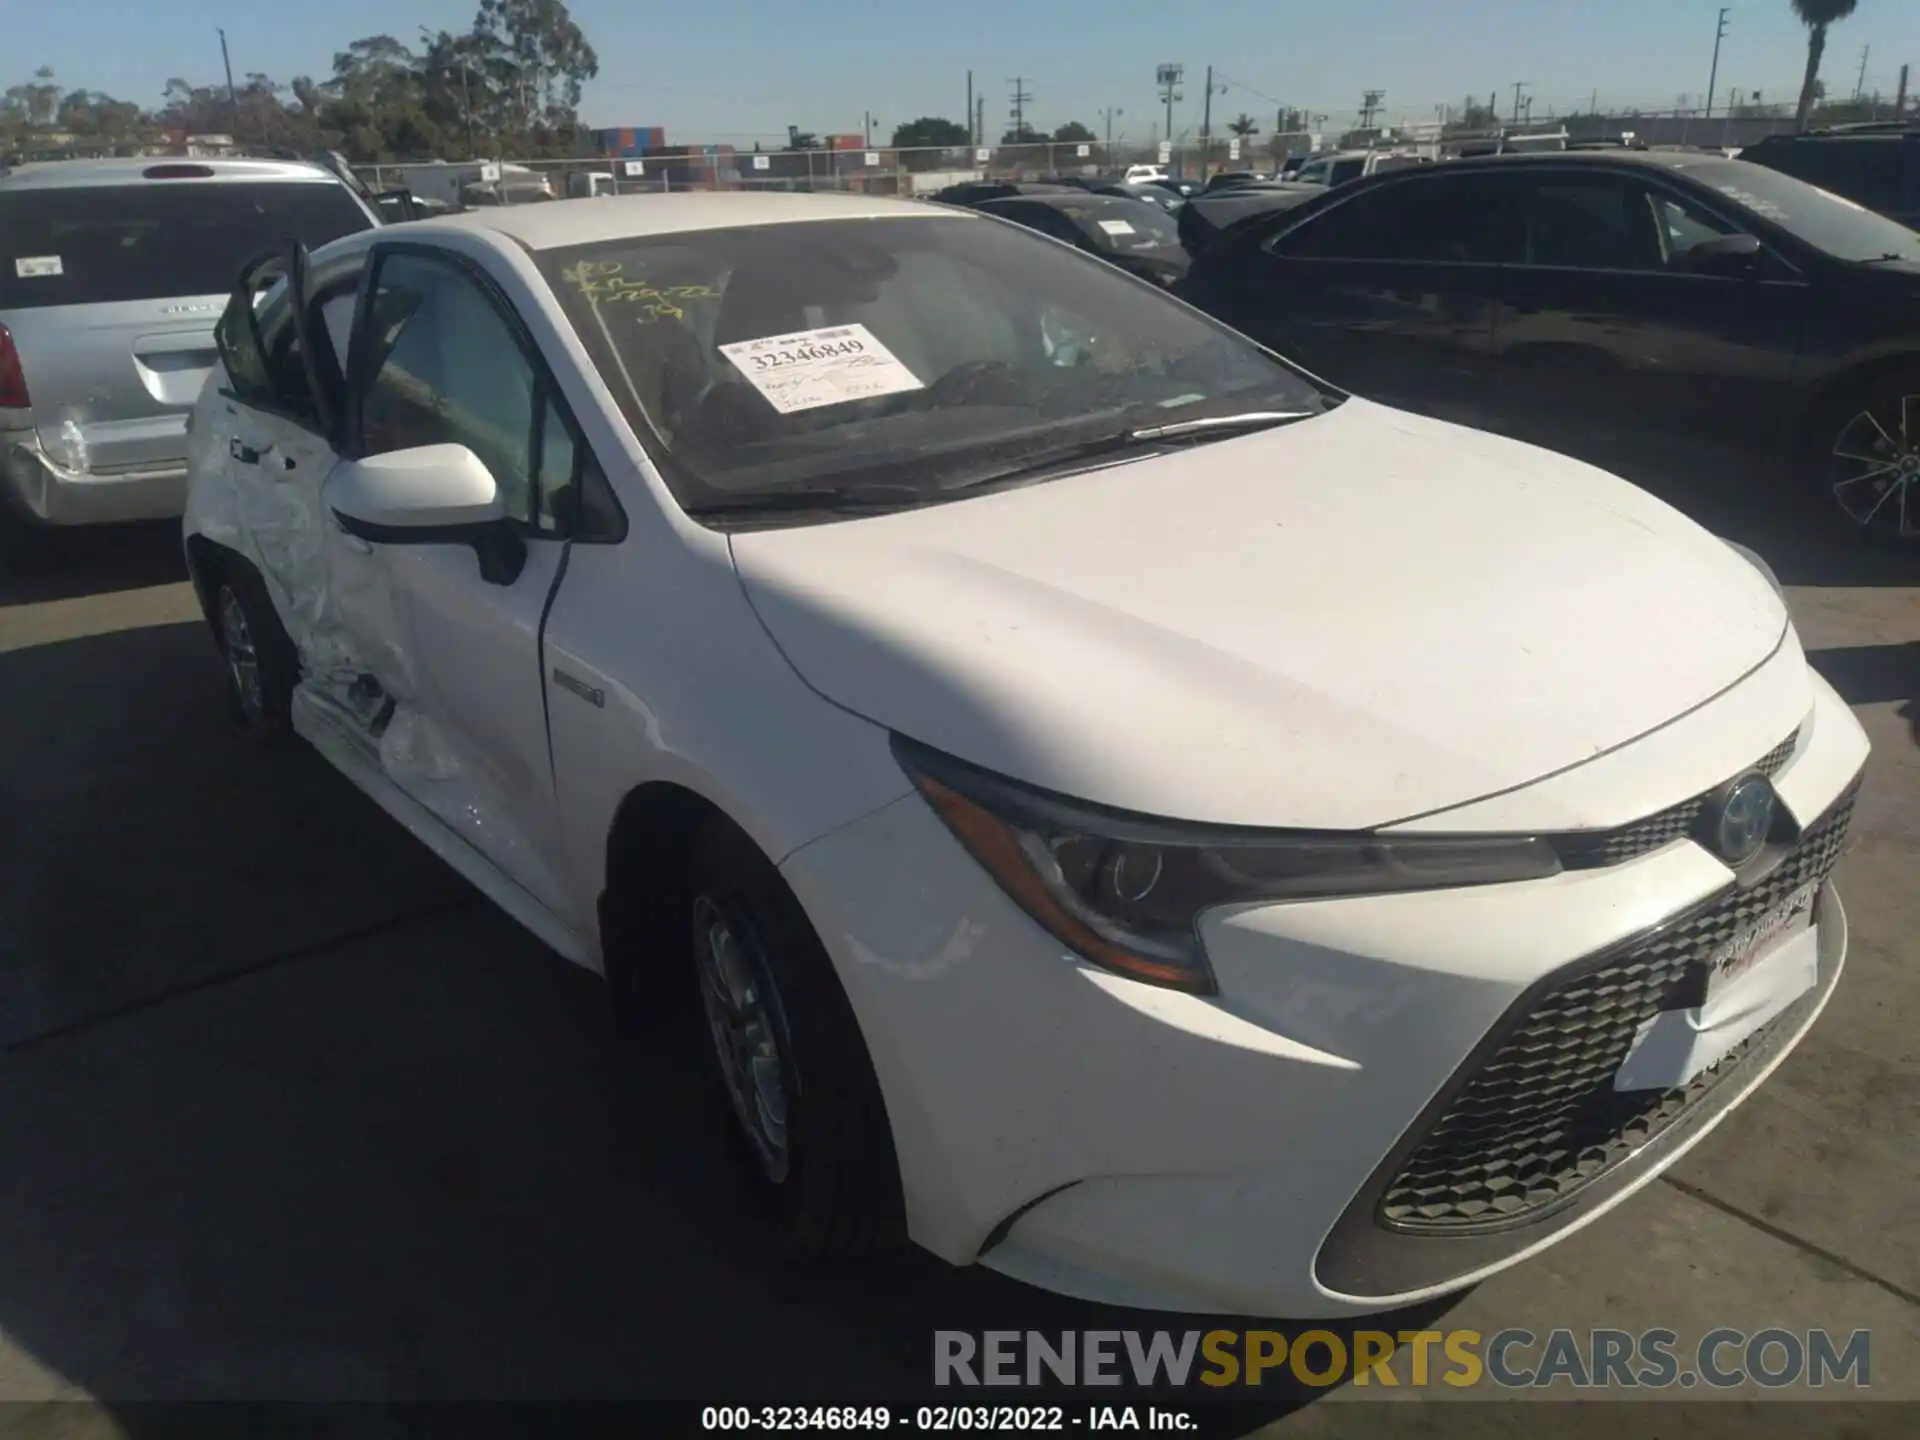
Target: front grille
{"x":1540,"y":1118}
{"x":1589,"y":849}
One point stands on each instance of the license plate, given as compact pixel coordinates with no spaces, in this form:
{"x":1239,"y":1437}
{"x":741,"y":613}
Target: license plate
{"x":1738,"y":953}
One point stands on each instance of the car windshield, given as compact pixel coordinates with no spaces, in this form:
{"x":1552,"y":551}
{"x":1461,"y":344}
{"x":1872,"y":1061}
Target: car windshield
{"x":1840,"y":227}
{"x":87,"y":245}
{"x":912,"y":352}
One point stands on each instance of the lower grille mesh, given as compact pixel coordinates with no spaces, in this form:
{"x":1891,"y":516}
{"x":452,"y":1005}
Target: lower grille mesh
{"x":1540,"y":1118}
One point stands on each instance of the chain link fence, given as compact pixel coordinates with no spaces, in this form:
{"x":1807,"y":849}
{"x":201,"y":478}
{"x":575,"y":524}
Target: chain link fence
{"x":877,"y":171}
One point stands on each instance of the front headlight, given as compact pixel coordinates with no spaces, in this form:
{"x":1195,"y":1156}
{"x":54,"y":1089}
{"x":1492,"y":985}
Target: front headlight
{"x":1126,"y":892}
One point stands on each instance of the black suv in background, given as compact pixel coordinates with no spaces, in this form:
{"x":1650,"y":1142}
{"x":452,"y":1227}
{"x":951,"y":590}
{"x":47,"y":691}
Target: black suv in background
{"x":1875,"y":165}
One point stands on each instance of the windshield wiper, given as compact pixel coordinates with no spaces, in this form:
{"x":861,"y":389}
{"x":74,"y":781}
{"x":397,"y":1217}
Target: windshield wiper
{"x":1890,"y":258}
{"x":866,"y":499}
{"x":1115,"y":442}
{"x":1249,"y":420}
{"x":847,"y":499}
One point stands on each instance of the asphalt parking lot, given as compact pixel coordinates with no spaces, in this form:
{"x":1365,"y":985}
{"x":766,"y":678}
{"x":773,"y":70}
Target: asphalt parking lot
{"x":288,"y":1112}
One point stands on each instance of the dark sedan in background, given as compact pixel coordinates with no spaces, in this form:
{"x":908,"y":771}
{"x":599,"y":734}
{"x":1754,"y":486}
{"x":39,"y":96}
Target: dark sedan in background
{"x":1143,"y":239}
{"x":1204,"y":218}
{"x":1565,"y":295}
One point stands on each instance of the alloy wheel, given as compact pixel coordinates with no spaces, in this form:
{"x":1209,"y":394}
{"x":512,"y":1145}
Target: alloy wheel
{"x":747,"y":1024}
{"x":243,"y":661}
{"x":1877,"y":480}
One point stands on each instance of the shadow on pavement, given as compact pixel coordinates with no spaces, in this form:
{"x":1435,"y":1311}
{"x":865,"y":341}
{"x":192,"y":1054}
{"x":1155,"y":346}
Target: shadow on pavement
{"x":291,"y":1115}
{"x":93,"y":560}
{"x":1875,"y":675}
{"x":1755,"y":500}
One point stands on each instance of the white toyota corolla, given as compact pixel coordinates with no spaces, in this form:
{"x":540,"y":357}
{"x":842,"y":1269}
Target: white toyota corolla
{"x":1133,"y":817}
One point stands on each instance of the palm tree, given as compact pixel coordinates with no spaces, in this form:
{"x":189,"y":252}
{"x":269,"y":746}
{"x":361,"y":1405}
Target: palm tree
{"x":1244,"y":125}
{"x":1816,"y":15}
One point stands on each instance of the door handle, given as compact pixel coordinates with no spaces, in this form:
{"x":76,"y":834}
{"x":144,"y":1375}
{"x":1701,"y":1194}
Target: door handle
{"x":245,"y":453}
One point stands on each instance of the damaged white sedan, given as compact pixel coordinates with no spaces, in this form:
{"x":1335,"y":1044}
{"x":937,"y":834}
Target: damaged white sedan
{"x":1131,"y":815}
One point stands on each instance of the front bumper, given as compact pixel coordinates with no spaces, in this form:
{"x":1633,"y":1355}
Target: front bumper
{"x":49,"y":494}
{"x":1228,"y":1154}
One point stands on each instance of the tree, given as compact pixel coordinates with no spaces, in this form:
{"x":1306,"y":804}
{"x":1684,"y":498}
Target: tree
{"x":1023,"y":134}
{"x":929,"y":132}
{"x":1074,"y":133}
{"x":1244,"y":126}
{"x":1816,"y":15}
{"x":511,"y":84}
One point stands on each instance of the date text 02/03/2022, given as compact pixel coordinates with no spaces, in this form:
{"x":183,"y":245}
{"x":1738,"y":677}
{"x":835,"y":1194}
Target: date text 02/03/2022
{"x":944,"y":1419}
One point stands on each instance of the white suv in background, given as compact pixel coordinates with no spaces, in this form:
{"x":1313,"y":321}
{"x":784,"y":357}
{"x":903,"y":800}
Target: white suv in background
{"x":1132,"y":816}
{"x":112,"y":273}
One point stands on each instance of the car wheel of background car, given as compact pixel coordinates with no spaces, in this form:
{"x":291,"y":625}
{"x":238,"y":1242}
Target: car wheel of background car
{"x":262,"y":664}
{"x":25,"y":548}
{"x":1873,"y":459}
{"x":790,"y":1055}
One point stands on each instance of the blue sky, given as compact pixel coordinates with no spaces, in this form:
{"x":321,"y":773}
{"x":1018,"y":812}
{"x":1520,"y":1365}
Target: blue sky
{"x":730,"y":70}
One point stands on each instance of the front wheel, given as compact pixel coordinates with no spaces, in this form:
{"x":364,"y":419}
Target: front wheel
{"x":790,"y":1056}
{"x":1873,"y":460}
{"x":262,"y":664}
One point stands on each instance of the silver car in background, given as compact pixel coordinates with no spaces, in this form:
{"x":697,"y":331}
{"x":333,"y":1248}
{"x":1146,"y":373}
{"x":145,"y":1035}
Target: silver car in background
{"x":112,"y":276}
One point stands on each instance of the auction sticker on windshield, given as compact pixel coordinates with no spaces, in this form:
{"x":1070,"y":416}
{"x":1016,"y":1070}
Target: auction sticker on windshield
{"x":811,"y":368}
{"x":1116,"y":227}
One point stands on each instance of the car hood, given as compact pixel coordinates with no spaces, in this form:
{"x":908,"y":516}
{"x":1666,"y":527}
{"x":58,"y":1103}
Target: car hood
{"x":1340,"y":624}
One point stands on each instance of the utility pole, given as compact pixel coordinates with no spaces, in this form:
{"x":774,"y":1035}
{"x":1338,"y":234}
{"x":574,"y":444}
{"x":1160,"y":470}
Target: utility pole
{"x":1518,"y":86}
{"x":1593,"y":105}
{"x":1900,"y":96}
{"x":1168,"y":78}
{"x":866,"y":119}
{"x":1022,"y":97}
{"x":466,"y":97}
{"x":1860,"y":85}
{"x":1206,"y":123}
{"x":1713,"y":75}
{"x":233,"y":95}
{"x":980,"y":119}
{"x":1108,"y":115}
{"x":970,"y":136}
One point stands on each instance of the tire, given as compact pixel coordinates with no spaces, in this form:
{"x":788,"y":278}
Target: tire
{"x":26,"y":549}
{"x":261,"y":662}
{"x":1868,"y":454}
{"x":765,"y":983}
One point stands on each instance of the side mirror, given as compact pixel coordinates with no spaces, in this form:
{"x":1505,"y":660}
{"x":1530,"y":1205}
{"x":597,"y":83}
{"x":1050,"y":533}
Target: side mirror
{"x":429,"y":495}
{"x":1732,"y":255}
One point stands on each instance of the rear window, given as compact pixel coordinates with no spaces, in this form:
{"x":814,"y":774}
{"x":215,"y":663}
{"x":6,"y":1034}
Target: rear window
{"x":1117,"y":224}
{"x":1868,"y":171}
{"x":155,"y":240}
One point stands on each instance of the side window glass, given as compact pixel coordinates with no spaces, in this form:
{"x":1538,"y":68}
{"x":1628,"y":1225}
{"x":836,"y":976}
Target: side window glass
{"x":444,"y":367}
{"x":1460,"y":221}
{"x":288,"y":377}
{"x":1588,"y":223}
{"x":239,"y":344}
{"x":1682,"y":226}
{"x":559,"y":459}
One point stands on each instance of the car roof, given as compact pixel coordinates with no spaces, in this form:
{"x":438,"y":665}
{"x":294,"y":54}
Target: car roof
{"x":131,"y":170}
{"x":1865,"y":130}
{"x":558,"y":223}
{"x":1588,"y":159}
{"x":1062,"y":198}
